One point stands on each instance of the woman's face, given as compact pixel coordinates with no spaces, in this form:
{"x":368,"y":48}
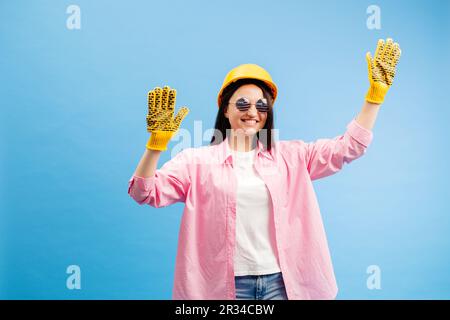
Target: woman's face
{"x":246,"y":122}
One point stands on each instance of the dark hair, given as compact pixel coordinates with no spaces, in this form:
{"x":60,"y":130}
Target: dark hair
{"x":222,"y":122}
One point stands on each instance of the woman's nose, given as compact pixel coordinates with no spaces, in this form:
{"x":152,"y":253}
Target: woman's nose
{"x":252,"y":110}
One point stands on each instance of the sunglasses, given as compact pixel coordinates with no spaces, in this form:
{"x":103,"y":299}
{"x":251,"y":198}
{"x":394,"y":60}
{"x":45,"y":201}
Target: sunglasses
{"x":244,"y":104}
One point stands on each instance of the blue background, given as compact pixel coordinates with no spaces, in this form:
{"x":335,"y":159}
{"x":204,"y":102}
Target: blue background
{"x":73,"y":107}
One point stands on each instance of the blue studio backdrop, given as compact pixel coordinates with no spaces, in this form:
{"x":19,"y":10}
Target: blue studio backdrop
{"x":74,"y":81}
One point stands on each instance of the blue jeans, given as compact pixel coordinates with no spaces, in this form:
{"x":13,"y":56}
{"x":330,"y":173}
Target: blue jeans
{"x":261,"y":287}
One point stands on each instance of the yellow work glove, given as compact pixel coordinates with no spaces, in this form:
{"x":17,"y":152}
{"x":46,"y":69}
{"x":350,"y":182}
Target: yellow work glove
{"x":160,"y":121}
{"x":382,"y":69}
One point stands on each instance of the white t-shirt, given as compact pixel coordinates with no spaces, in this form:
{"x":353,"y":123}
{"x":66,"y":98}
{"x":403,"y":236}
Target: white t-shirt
{"x":255,"y":251}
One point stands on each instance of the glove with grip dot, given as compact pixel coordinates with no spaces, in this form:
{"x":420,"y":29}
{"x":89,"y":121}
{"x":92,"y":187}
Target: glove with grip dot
{"x":160,"y":120}
{"x":381,"y":69}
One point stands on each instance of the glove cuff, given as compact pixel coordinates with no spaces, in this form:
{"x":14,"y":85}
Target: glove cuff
{"x":376,"y":93}
{"x":159,"y":140}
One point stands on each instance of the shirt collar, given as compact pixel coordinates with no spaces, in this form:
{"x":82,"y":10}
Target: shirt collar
{"x":225,"y":152}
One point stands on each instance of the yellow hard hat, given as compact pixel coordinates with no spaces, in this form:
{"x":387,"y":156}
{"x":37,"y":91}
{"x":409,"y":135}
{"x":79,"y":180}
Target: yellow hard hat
{"x":248,"y":71}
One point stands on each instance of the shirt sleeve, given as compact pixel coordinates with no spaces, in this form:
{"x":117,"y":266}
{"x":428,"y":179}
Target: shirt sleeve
{"x":325,"y":157}
{"x":169,"y":184}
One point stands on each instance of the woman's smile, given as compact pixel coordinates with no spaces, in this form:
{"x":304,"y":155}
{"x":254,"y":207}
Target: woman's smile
{"x":250,"y":122}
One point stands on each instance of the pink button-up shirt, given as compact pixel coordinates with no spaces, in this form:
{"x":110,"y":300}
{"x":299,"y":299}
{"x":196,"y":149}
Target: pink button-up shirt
{"x":203,"y":178}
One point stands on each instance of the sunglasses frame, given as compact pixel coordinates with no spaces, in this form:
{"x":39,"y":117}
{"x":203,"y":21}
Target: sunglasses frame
{"x":248,"y":105}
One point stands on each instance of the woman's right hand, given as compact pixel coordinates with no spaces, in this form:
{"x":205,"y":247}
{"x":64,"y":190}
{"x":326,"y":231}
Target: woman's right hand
{"x":160,"y":120}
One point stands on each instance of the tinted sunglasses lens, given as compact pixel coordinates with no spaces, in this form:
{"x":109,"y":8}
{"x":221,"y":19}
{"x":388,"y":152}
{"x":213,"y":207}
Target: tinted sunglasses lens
{"x":242,"y":105}
{"x":262,"y":106}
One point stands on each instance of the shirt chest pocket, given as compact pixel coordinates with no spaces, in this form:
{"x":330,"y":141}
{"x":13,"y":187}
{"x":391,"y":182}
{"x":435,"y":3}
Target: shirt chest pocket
{"x":215,"y":185}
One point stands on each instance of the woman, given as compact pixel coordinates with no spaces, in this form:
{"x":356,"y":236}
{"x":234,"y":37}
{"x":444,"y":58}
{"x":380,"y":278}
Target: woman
{"x":251,"y":226}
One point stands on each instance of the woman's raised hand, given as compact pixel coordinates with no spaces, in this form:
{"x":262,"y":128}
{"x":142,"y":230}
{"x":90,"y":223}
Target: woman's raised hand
{"x":161,"y":122}
{"x":381,"y":69}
